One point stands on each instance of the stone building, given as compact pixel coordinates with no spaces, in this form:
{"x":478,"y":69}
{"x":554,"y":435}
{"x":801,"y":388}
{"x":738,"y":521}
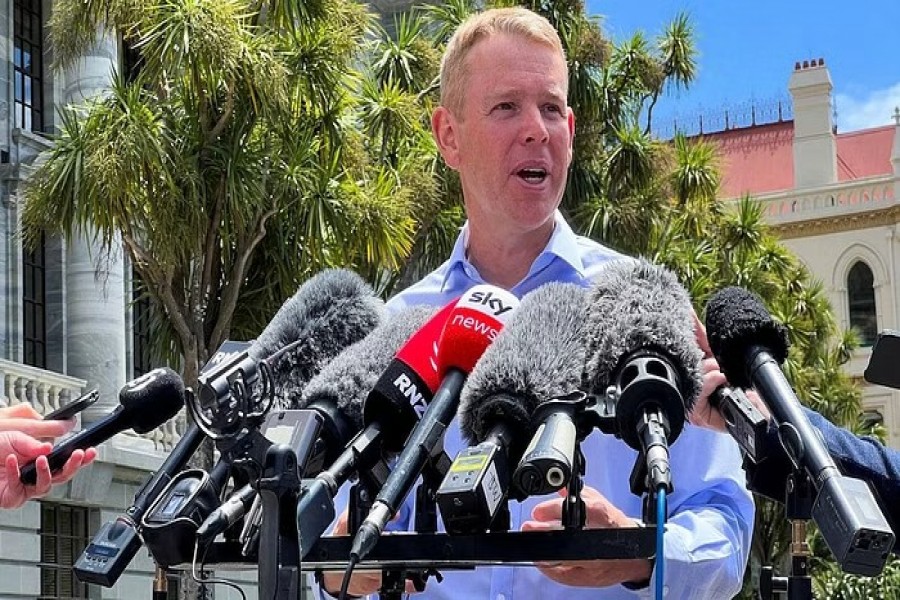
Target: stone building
{"x":66,"y":327}
{"x":832,"y":198}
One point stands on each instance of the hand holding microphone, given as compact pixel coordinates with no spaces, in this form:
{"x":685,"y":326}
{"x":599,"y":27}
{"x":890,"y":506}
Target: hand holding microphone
{"x":750,"y":345}
{"x":144,"y":404}
{"x":19,"y":426}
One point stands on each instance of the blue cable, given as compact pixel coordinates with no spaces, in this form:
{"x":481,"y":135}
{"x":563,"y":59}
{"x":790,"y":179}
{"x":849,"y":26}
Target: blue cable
{"x":660,"y":529}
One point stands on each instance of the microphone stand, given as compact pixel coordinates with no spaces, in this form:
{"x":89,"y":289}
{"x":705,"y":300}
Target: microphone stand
{"x":798,"y":505}
{"x":574,"y":512}
{"x":393,"y":580}
{"x":279,"y":548}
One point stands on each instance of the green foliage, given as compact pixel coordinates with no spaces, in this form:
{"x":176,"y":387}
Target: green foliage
{"x":830,"y":582}
{"x":222,"y":166}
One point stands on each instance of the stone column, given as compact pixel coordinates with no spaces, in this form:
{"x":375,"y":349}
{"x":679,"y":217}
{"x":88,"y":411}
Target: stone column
{"x":95,"y":288}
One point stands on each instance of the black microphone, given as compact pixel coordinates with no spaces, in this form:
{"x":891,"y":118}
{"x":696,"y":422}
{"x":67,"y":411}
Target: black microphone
{"x":538,"y":355}
{"x":339,"y":391}
{"x":393,"y":405}
{"x":642,"y":343}
{"x":330,"y":311}
{"x":474,"y":322}
{"x":227,"y":514}
{"x":144,"y":404}
{"x":749,"y":346}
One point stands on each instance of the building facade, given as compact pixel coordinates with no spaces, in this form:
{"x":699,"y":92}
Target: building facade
{"x":69,"y":325}
{"x":832,"y":197}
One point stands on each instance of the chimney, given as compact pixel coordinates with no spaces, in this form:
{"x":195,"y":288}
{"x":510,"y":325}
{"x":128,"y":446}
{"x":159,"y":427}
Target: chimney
{"x":895,"y":154}
{"x":815,"y":151}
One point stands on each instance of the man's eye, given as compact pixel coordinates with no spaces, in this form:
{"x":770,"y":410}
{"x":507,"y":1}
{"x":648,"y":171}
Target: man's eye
{"x":553,"y":108}
{"x":505,"y":106}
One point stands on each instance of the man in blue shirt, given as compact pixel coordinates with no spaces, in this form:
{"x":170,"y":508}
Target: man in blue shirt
{"x":505,"y":126}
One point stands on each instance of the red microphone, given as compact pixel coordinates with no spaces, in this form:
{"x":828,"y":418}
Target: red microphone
{"x":391,"y":409}
{"x":472,"y":325}
{"x":405,"y":389}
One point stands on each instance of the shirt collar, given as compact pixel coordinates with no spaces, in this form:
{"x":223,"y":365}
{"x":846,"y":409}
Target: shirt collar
{"x":563,"y":244}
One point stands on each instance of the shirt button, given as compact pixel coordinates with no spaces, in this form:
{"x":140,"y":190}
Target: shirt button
{"x":501,"y":597}
{"x":665,"y":590}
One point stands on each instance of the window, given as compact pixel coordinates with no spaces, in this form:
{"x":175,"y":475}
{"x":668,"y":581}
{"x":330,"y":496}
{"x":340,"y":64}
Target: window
{"x":34,"y":335}
{"x":28,"y":54}
{"x":861,"y":300}
{"x":64,"y":534}
{"x":140,"y":325}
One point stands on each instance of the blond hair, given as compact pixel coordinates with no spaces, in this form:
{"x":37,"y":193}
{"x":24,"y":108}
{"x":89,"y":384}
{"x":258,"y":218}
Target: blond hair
{"x":510,"y":21}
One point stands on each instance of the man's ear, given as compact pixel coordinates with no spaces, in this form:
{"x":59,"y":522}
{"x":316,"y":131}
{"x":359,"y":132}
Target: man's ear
{"x":443,"y":129}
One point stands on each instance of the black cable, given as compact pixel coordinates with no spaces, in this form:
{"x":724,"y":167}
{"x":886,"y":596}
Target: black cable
{"x":347,"y":575}
{"x":212,"y":580}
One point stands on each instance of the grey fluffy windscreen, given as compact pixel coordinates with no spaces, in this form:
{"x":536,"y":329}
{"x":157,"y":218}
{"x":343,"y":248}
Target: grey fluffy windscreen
{"x":637,"y":305}
{"x":329,"y":312}
{"x":539,"y":354}
{"x":737,"y":319}
{"x":347,"y":380}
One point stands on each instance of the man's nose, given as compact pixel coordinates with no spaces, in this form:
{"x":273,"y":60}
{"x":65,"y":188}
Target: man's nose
{"x":534,"y":129}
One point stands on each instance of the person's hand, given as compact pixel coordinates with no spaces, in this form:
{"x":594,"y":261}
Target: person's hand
{"x":19,"y":448}
{"x":601,"y":513}
{"x":362,"y":583}
{"x":23,"y":418}
{"x":703,"y":413}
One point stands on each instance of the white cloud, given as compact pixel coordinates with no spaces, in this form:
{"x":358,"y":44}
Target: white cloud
{"x":872,"y":109}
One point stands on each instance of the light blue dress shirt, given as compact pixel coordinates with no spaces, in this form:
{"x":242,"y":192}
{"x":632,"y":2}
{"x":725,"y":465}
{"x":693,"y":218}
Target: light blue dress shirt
{"x":707,"y":539}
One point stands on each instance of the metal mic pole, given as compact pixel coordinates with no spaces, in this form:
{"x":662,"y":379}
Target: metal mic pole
{"x":160,"y":584}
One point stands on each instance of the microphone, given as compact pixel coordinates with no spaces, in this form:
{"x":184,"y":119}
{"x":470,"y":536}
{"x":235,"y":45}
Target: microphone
{"x":471,"y":326}
{"x":330,"y":311}
{"x":537,"y":356}
{"x":144,"y":404}
{"x":390,"y":411}
{"x":337,"y":394}
{"x":744,"y":421}
{"x":641,"y":342}
{"x":339,"y":391}
{"x":227,"y":514}
{"x":749,"y":346}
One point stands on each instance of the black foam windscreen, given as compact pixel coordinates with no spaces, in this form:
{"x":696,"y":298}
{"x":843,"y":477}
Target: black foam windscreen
{"x":347,"y":380}
{"x":737,"y":319}
{"x":539,"y":354}
{"x":638,"y":306}
{"x":152,"y":399}
{"x":328,"y":313}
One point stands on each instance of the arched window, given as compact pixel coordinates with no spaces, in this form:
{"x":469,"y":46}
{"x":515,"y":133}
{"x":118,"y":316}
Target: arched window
{"x":861,"y":300}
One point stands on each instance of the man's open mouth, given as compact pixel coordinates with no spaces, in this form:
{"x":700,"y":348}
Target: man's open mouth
{"x":532,"y":175}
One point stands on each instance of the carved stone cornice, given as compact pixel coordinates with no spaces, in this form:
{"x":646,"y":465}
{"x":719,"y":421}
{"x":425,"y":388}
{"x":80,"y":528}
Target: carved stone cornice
{"x":838,"y":223}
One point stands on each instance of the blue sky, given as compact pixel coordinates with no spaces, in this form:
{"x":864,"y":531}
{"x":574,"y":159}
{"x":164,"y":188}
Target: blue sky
{"x":747,"y":51}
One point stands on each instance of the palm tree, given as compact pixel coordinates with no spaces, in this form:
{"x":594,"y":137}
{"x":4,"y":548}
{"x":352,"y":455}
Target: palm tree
{"x":223,"y":168}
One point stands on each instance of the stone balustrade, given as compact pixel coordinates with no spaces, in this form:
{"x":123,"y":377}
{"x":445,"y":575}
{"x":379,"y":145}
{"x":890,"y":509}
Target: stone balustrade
{"x":47,"y":390}
{"x":849,"y":197}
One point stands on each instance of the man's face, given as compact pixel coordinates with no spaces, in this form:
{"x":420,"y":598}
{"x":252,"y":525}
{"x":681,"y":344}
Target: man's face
{"x":511,"y":139}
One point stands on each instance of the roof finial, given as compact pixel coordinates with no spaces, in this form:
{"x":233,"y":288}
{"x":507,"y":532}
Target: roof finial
{"x":897,"y":115}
